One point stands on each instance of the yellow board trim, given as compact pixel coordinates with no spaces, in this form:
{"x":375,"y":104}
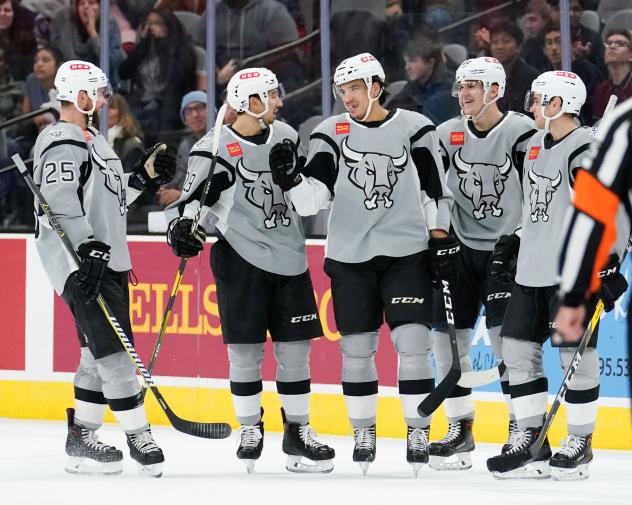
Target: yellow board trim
{"x":49,"y":400}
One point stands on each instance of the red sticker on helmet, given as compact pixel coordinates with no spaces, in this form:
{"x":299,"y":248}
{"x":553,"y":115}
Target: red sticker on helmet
{"x":570,"y":75}
{"x":249,"y":75}
{"x":343,"y":128}
{"x":234,"y":149}
{"x":79,"y":66}
{"x":367,"y":58}
{"x":533,"y":153}
{"x":457,"y":138}
{"x":491,"y":60}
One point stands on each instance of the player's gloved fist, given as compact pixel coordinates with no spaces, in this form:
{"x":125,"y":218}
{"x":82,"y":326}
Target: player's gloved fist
{"x":613,"y":284}
{"x":285,"y":165}
{"x":502,"y":263}
{"x":184,"y":243}
{"x":155,"y":168}
{"x":444,"y":259}
{"x":94,"y":257}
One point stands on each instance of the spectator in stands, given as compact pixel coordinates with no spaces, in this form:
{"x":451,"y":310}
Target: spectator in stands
{"x":397,"y":35}
{"x":249,"y":27}
{"x":125,"y":135}
{"x":619,"y":61}
{"x":15,"y":36}
{"x":44,"y":11}
{"x":11,"y":91}
{"x":589,"y":42}
{"x":584,"y":68}
{"x":197,"y":6}
{"x":429,"y":86}
{"x":39,"y":88}
{"x":506,"y":44}
{"x":75,"y":33}
{"x":162,"y":70}
{"x":536,"y":18}
{"x":193,"y":114}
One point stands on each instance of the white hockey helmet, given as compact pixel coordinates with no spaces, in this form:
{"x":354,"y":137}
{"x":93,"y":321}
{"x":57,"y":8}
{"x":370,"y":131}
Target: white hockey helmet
{"x":362,"y":66}
{"x":567,"y":85}
{"x":485,"y":69}
{"x":248,"y":82}
{"x":74,"y":76}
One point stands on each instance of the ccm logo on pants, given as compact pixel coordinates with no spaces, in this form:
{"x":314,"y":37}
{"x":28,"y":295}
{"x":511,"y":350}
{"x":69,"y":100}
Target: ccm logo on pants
{"x":498,"y":296}
{"x":304,"y":319}
{"x":406,"y":299}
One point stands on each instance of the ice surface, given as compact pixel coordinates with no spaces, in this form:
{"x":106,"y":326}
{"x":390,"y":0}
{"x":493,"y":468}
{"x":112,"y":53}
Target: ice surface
{"x":200,"y":471}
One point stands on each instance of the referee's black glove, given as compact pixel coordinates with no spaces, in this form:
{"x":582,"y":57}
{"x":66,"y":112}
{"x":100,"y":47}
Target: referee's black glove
{"x":444,"y":259}
{"x":285,"y":165}
{"x":184,"y":243}
{"x":504,"y":259}
{"x":94,"y":257}
{"x":613,"y":284}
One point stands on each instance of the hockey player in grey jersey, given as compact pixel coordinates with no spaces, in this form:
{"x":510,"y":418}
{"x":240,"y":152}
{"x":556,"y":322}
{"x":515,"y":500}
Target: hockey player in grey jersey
{"x":260,"y":267}
{"x":483,"y":152}
{"x":381,"y":174}
{"x":554,"y":156}
{"x":85,"y":185}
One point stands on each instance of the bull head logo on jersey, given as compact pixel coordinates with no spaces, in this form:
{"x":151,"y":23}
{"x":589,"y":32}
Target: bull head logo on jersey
{"x":482,"y":183}
{"x":374,"y":173}
{"x":264,"y":194}
{"x":112,"y":179}
{"x":542,"y":189}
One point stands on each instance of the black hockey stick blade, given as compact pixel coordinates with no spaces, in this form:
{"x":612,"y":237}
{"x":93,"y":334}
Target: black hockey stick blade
{"x":439,"y":393}
{"x":202,"y":430}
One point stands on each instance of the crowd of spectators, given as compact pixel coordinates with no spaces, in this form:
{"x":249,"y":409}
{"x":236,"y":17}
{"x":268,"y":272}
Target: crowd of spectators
{"x":157,"y":62}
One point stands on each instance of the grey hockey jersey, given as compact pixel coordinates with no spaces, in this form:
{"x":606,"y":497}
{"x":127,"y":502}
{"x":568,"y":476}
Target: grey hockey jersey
{"x":253,"y":214}
{"x":549,"y":171}
{"x":383,"y":181}
{"x":84,"y":183}
{"x":484,"y":171}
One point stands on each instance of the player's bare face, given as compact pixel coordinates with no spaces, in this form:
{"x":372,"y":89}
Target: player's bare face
{"x":274,"y":104}
{"x":354,"y":97}
{"x":471,"y":95}
{"x":536,"y":110}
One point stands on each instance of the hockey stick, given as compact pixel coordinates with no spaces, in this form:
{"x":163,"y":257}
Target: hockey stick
{"x":219,"y":120}
{"x":203,"y":430}
{"x":483,"y":377}
{"x":445,"y":387}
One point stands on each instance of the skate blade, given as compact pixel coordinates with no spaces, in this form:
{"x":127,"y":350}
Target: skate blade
{"x":459,"y":461}
{"x":87,"y":466}
{"x":150,"y":470}
{"x":416,"y":468}
{"x":297,"y":464}
{"x":250,"y":465}
{"x":579,"y":473}
{"x":534,"y":470}
{"x":364,"y":466}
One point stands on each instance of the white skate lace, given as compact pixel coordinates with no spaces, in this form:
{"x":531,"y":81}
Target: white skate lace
{"x":144,"y":442}
{"x":513,"y":432}
{"x":307,"y":436}
{"x":417,"y":439}
{"x":250,"y":436}
{"x":572,"y":445}
{"x":522,"y":440}
{"x":364,"y":438}
{"x":454,"y":432}
{"x":89,"y":437}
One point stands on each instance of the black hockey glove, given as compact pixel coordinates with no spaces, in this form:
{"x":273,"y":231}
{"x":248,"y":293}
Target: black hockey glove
{"x":613,"y":284}
{"x":183,"y":243}
{"x":444,"y":259}
{"x":503,"y":261}
{"x":94,"y":259}
{"x":155,"y":168}
{"x":285,"y":165}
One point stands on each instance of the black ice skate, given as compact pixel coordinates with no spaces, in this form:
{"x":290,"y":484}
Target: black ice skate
{"x":86,"y":455}
{"x":251,"y":444}
{"x":537,"y":468}
{"x":453,"y":451}
{"x":299,"y":443}
{"x":148,"y":456}
{"x":417,"y":448}
{"x":571,"y":462}
{"x":512,"y":433}
{"x":364,"y":448}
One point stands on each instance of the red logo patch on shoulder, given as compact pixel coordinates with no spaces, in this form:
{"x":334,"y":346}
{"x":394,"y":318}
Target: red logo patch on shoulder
{"x":343,"y":128}
{"x":86,"y":134}
{"x":234,"y":149}
{"x":457,"y":138}
{"x":533,"y":153}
